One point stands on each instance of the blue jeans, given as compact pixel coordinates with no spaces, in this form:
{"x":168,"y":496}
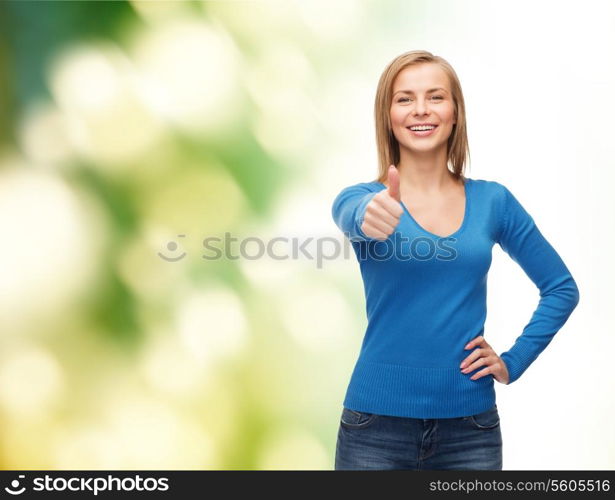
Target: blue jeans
{"x":370,"y":441}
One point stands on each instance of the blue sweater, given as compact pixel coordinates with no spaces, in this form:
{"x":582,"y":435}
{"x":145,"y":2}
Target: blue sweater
{"x":426,"y":299}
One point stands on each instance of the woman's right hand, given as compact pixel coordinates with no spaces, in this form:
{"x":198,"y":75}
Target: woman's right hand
{"x":384,"y":210}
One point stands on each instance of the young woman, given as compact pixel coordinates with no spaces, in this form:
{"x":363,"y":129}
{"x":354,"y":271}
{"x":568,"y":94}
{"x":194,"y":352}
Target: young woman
{"x":422,"y":394}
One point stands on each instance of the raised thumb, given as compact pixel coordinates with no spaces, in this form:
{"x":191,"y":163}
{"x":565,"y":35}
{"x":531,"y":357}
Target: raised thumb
{"x":393,"y":179}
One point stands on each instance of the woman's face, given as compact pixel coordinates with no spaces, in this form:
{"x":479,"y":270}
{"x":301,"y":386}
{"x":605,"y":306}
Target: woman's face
{"x":414,"y":103}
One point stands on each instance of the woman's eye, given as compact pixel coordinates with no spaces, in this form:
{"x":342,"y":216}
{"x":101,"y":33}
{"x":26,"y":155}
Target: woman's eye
{"x":434,"y":97}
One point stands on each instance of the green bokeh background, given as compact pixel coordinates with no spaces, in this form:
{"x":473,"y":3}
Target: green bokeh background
{"x":123,"y":126}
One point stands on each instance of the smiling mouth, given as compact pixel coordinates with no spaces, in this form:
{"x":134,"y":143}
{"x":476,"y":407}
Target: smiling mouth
{"x":433,"y":127}
{"x":422,"y":133}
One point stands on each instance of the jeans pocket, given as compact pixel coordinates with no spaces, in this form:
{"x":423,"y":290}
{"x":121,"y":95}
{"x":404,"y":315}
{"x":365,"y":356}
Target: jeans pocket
{"x":486,"y":420}
{"x":353,"y":419}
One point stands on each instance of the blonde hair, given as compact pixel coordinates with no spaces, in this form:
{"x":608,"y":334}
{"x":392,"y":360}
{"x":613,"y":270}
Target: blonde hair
{"x":387,"y":144}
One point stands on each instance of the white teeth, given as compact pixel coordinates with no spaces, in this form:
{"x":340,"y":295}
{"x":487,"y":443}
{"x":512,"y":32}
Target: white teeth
{"x":425,"y":127}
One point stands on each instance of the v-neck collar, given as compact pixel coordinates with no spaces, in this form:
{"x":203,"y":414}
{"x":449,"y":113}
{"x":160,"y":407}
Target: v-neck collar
{"x":466,"y":213}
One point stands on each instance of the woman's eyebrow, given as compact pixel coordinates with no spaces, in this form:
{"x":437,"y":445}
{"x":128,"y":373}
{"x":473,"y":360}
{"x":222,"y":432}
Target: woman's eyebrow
{"x":430,"y":90}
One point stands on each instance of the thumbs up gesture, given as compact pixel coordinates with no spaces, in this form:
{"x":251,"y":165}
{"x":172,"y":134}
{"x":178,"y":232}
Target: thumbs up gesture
{"x":384,"y":210}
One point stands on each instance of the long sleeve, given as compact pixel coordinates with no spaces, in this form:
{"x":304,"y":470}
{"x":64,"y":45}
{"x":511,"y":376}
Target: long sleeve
{"x":521,"y":239}
{"x":348,"y":210}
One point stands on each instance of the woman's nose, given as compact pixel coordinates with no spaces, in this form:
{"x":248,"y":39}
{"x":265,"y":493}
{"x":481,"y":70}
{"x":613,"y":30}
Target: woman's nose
{"x":420,"y":107}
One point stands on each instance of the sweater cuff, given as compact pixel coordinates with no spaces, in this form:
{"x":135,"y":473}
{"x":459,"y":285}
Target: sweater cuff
{"x":517,"y":361}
